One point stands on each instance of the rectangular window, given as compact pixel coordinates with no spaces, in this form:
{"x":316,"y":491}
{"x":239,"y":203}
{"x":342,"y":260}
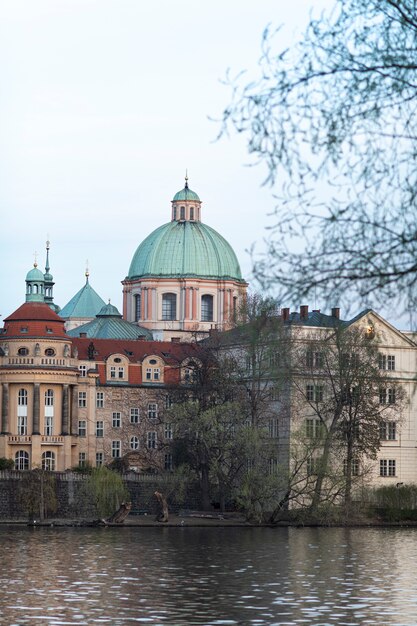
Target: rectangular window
{"x":112,"y":371}
{"x":121,"y":372}
{"x":99,"y":428}
{"x":100,"y":400}
{"x":82,"y":428}
{"x":116,"y":449}
{"x":82,"y":459}
{"x":382,"y":395}
{"x":22,"y":425}
{"x":48,"y":425}
{"x":273,"y":467}
{"x":274,"y":394}
{"x":168,"y":402}
{"x":116,"y":419}
{"x":313,"y":428}
{"x":82,"y":399}
{"x":314,"y":359}
{"x":388,"y":431}
{"x":168,"y":430}
{"x":134,"y":415}
{"x":314,"y":393}
{"x":391,"y":396}
{"x":83,"y":370}
{"x":354,"y":467}
{"x":152,"y":410}
{"x":99,"y":459}
{"x":391,"y":362}
{"x":382,"y":361}
{"x":168,"y":465}
{"x":151,"y":439}
{"x":313,"y":466}
{"x":275,"y":359}
{"x":148,"y":373}
{"x":273,"y":428}
{"x":156,"y":373}
{"x":387,"y":467}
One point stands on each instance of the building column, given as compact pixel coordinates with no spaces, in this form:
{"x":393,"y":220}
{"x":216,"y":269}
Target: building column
{"x":74,"y":412}
{"x":36,"y":409}
{"x":65,"y":410}
{"x":5,"y":409}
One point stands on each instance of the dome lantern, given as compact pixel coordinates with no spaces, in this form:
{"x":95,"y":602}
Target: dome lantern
{"x":186,"y":205}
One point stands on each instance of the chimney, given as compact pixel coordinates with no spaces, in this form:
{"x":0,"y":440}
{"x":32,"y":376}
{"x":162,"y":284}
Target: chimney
{"x":304,"y":312}
{"x":336,"y":313}
{"x":285,"y":315}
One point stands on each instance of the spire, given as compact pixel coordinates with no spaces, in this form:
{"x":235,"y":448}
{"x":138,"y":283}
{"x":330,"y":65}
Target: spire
{"x":186,"y":179}
{"x":47,"y":268}
{"x":87,"y":273}
{"x":49,"y":282}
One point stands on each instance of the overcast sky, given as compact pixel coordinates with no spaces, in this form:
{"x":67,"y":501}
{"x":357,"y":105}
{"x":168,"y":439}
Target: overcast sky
{"x":103,"y":106}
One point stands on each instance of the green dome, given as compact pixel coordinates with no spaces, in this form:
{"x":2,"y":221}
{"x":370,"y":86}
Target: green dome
{"x":185,"y":249}
{"x":35,"y":275}
{"x":186,"y":194}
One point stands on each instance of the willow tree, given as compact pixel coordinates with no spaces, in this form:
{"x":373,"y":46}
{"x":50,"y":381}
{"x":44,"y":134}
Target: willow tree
{"x":333,"y":117}
{"x":106,"y":490}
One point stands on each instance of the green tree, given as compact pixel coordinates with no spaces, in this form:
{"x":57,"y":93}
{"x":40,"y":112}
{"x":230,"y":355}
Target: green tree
{"x":38,"y":493}
{"x":334,"y":119}
{"x":107,"y":490}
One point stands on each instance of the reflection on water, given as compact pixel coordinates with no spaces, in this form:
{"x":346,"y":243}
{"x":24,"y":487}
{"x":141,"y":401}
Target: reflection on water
{"x":222,"y":576}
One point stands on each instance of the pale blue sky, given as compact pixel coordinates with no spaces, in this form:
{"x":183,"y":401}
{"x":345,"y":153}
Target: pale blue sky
{"x":104,"y":104}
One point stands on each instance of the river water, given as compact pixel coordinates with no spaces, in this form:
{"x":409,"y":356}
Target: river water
{"x":209,"y":576}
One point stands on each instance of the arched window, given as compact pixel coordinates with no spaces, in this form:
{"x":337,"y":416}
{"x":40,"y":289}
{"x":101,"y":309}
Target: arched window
{"x":174,"y":215}
{"x":22,"y":397}
{"x":169,"y":306}
{"x":134,"y":443}
{"x":207,"y":308}
{"x":48,"y":461}
{"x":49,"y":397}
{"x":191,"y":212}
{"x":182,"y":213}
{"x":138,"y":303}
{"x":21,"y":460}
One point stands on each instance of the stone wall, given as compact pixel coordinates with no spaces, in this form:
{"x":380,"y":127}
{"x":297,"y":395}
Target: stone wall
{"x":74,"y":503}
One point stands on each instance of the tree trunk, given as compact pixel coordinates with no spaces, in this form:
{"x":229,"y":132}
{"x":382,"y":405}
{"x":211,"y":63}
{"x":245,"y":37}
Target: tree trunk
{"x":120,"y":515}
{"x":324,"y":461}
{"x":163,"y":514}
{"x":205,"y":487}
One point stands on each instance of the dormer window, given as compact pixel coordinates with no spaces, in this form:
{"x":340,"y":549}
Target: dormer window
{"x":24,"y":329}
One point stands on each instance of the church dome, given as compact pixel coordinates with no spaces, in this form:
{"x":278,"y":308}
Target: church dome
{"x":186,"y":194}
{"x":35,"y":275}
{"x":185,"y":249}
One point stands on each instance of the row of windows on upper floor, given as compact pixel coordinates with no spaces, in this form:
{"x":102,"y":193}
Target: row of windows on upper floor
{"x":313,"y":359}
{"x":387,"y":467}
{"x":25,"y":351}
{"x":315,"y":393}
{"x":314,"y":429}
{"x":169,"y":307}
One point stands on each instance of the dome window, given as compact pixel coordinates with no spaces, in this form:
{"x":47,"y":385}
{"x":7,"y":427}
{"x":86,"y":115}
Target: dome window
{"x":182,"y":213}
{"x":207,"y":308}
{"x":23,"y":352}
{"x":169,"y":306}
{"x":192,"y":213}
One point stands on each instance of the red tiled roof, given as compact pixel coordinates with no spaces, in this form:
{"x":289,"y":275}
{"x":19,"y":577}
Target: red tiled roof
{"x":34,"y":319}
{"x":135,"y":350}
{"x":34,"y":311}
